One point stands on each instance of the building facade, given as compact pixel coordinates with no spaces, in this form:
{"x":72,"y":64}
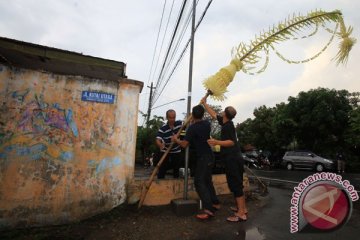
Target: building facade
{"x":68,"y":127}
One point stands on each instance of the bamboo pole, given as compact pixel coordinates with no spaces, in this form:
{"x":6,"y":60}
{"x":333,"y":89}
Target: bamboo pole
{"x":146,"y":187}
{"x":257,"y":178}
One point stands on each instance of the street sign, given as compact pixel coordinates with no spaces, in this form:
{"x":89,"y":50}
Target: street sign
{"x":100,"y":97}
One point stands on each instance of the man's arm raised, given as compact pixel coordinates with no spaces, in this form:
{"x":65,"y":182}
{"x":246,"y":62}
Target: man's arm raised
{"x":208,"y":108}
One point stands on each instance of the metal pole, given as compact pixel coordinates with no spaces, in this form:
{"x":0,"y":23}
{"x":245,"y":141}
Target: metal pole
{"x":149,"y":107}
{"x":189,"y":96}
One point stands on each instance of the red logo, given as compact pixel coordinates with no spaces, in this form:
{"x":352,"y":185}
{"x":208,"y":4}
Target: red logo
{"x":325,"y":207}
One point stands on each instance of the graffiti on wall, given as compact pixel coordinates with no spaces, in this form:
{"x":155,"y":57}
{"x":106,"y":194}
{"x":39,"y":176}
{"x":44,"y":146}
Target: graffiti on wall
{"x":42,"y":138}
{"x":100,"y":171}
{"x":61,"y":156}
{"x":96,"y":125}
{"x":36,"y":130}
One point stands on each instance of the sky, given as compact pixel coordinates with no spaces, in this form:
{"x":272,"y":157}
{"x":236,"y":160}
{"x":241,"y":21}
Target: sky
{"x":126,"y":31}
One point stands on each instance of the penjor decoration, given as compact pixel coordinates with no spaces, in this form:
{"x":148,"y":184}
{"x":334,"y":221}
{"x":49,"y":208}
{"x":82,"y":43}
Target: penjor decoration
{"x":245,"y":57}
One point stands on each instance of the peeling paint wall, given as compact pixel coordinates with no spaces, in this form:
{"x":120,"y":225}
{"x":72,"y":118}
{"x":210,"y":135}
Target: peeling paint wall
{"x":63,"y":159}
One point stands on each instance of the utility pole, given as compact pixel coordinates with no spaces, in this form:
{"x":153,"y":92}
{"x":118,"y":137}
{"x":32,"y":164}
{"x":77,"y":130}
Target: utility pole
{"x":189,"y":96}
{"x":149,"y":107}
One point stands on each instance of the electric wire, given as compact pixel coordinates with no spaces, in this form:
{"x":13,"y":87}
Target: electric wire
{"x":162,"y":42}
{"x":157,"y":41}
{"x":177,"y":44}
{"x":155,"y":49}
{"x":178,"y":21}
{"x":169,"y":47}
{"x":174,"y":52}
{"x":155,"y":98}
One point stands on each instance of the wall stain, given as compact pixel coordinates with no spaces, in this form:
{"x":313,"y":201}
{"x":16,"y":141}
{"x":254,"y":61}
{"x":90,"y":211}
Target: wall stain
{"x":62,"y":159}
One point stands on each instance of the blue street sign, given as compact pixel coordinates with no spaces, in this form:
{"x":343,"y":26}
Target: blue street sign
{"x":100,"y":97}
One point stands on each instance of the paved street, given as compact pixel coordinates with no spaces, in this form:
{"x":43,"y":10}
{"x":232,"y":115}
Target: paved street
{"x":269,"y":218}
{"x":298,"y":176}
{"x":262,"y":225}
{"x":273,"y":220}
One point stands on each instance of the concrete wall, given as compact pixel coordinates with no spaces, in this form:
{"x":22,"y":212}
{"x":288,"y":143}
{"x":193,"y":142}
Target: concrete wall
{"x":63,"y":159}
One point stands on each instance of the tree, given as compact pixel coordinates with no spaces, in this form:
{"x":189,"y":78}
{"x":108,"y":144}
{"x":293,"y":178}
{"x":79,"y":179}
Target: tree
{"x":320,"y":118}
{"x":284,"y":127}
{"x":145,"y":142}
{"x":215,"y":127}
{"x":262,"y":126}
{"x":353,"y":132}
{"x":245,"y":132}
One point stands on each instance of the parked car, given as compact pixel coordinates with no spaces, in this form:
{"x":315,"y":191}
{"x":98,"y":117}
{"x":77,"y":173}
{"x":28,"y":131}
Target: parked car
{"x":220,"y":168}
{"x":307,"y":160}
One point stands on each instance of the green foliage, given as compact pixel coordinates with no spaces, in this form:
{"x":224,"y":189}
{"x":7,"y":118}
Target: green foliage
{"x":320,"y":120}
{"x":262,"y":125}
{"x":284,"y":127}
{"x":352,"y":135}
{"x":245,"y":132}
{"x":215,"y":127}
{"x":145,"y":141}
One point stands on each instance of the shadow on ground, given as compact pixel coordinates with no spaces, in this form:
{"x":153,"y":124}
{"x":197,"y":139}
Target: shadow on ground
{"x":128,"y":222}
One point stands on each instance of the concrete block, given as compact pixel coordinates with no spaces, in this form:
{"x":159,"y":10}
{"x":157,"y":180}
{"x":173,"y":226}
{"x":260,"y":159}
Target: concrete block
{"x":184,"y":207}
{"x":161,"y":192}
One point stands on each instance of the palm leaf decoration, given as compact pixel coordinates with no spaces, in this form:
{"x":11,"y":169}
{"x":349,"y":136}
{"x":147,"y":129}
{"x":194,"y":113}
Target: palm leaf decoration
{"x":247,"y":56}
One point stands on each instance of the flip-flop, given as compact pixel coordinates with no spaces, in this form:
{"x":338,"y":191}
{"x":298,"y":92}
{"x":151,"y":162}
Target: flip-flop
{"x":235,"y":218}
{"x":204,"y":215}
{"x":216,"y":206}
{"x":235,"y":209}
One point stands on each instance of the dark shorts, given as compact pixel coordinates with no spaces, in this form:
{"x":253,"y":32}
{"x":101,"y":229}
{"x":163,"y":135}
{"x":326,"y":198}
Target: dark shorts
{"x":234,"y":169}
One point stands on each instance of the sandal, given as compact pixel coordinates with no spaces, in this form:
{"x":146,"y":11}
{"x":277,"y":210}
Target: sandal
{"x":235,"y":218}
{"x":206,"y":214}
{"x":216,"y":207}
{"x":235,"y":209}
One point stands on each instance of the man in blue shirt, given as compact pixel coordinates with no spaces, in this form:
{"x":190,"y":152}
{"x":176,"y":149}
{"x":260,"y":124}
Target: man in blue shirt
{"x":163,"y":141}
{"x":197,"y":135}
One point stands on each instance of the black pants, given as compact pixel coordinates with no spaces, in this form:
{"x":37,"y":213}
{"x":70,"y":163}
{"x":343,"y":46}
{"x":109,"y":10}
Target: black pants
{"x":234,"y":170}
{"x":172,"y":161}
{"x":203,"y":182}
{"x":192,"y":162}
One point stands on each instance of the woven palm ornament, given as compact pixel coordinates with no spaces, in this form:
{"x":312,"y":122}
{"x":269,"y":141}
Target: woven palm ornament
{"x":247,"y":57}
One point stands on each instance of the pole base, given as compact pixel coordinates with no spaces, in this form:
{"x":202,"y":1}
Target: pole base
{"x":182,"y":207}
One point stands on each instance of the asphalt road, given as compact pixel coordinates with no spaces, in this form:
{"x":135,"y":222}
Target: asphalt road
{"x":298,"y":175}
{"x":273,"y":221}
{"x":269,"y":218}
